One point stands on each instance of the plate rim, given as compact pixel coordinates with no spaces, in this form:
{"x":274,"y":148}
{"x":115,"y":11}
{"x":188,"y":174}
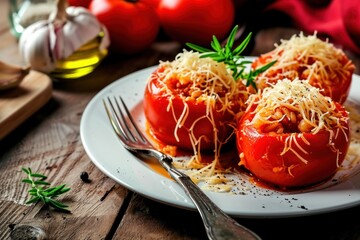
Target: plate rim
{"x":169,"y":185}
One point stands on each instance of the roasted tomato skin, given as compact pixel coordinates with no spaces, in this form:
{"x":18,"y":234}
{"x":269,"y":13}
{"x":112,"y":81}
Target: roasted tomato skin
{"x":262,"y":154}
{"x":337,"y":88}
{"x":162,"y":123}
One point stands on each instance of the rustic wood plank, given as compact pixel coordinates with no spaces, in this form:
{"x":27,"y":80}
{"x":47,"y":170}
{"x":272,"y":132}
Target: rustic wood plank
{"x":147,"y":219}
{"x":159,"y":221}
{"x":49,"y":142}
{"x":19,"y":103}
{"x":53,"y":147}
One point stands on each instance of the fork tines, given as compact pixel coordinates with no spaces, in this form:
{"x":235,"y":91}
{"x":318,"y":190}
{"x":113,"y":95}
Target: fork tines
{"x":121,"y":119}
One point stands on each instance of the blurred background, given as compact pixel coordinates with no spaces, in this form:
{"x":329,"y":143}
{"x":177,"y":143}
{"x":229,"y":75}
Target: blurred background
{"x":138,"y":27}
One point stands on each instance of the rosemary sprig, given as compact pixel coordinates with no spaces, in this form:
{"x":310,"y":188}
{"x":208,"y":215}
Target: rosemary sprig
{"x":39,"y":193}
{"x":232,"y":58}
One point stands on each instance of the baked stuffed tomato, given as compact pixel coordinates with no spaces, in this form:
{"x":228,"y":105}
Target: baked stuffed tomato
{"x":292,"y":136}
{"x":310,"y":58}
{"x":193,"y":103}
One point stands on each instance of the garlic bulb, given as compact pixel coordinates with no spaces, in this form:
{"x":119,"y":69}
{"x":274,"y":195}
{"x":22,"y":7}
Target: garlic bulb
{"x":45,"y":42}
{"x":11,"y":75}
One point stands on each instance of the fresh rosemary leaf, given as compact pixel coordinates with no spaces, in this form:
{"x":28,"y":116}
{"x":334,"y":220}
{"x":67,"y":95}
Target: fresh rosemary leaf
{"x":41,"y":182}
{"x":239,"y":49}
{"x":32,"y":200}
{"x":211,"y":55}
{"x":26,"y":181}
{"x":250,"y":77}
{"x":45,"y":195}
{"x":55,"y":191}
{"x":264,"y":68}
{"x":57,"y":203}
{"x":231,"y":38}
{"x":43,"y":177}
{"x":215,"y":44}
{"x":245,"y":62}
{"x":198,"y":48}
{"x":218,"y":58}
{"x":27,"y":170}
{"x":33,"y":193}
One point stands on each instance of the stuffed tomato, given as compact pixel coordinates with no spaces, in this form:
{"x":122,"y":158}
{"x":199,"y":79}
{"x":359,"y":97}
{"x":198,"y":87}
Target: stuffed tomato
{"x":308,"y":57}
{"x":193,"y":103}
{"x":293,"y":136}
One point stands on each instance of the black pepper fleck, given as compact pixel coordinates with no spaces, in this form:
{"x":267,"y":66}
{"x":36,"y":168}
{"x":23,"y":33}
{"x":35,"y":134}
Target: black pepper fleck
{"x":85,"y":177}
{"x":303,"y":207}
{"x":12,"y":226}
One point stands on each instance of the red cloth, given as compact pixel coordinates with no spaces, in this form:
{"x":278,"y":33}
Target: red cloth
{"x":339,"y":20}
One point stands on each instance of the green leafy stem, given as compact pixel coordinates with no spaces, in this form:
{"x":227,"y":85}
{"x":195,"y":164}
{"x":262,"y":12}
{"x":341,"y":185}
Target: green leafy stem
{"x":46,"y":195}
{"x":232,"y":57}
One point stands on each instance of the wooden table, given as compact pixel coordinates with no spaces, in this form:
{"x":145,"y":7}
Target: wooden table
{"x":49,"y":142}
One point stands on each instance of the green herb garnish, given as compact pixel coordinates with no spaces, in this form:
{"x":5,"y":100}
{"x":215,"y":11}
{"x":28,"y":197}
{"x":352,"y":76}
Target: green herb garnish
{"x":232,"y":58}
{"x":38,"y":193}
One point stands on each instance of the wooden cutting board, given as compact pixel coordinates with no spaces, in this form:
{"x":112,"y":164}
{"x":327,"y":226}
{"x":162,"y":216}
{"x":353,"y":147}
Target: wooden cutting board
{"x":19,"y":103}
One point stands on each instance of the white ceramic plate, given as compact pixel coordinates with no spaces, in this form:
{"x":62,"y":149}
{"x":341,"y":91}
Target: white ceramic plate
{"x":104,"y":149}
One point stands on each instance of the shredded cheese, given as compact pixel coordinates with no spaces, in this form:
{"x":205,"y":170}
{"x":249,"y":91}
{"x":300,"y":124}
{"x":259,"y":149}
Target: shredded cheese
{"x":300,"y":97}
{"x":202,"y":80}
{"x":308,"y":58}
{"x":319,"y":112}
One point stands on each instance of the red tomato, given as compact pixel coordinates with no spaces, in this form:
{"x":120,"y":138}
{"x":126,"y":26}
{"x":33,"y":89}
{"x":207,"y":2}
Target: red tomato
{"x":79,"y":3}
{"x":196,"y":21}
{"x":155,"y":3}
{"x":336,"y":86}
{"x":264,"y":158}
{"x":133,"y":25}
{"x":161,"y":119}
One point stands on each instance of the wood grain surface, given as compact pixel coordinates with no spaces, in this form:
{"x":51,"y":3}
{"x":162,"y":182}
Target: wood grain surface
{"x":49,"y":142}
{"x":17,"y":104}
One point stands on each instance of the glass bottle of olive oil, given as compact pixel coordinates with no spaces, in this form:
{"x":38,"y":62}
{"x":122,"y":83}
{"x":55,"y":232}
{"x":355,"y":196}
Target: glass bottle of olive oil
{"x":83,"y":61}
{"x":25,"y":12}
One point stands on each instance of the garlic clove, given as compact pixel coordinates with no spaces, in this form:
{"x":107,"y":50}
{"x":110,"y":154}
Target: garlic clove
{"x":35,"y":52}
{"x":11,"y":75}
{"x":44,"y":43}
{"x":87,"y":27}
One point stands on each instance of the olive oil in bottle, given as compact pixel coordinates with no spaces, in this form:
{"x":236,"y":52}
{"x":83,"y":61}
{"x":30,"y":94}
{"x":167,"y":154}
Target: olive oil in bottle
{"x":82,"y":62}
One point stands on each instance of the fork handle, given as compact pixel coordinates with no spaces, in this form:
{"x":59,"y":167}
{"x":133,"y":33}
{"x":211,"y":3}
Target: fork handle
{"x":218,"y":225}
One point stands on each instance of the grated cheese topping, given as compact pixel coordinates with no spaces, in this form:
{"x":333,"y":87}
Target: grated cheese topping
{"x":202,"y":80}
{"x":308,"y":58}
{"x":300,"y":97}
{"x":311,"y":109}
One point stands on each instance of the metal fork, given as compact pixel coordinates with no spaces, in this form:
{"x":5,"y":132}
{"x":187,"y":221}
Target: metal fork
{"x":218,"y":225}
